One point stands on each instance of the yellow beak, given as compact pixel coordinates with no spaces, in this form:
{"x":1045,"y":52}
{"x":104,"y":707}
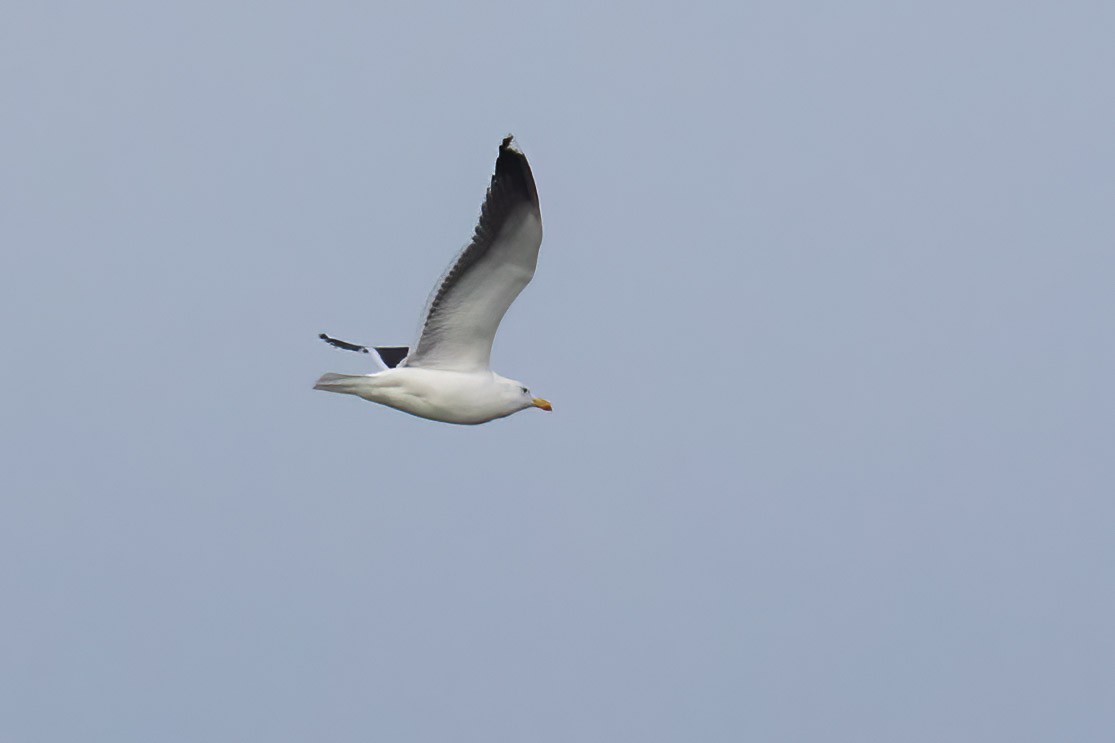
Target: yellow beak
{"x":540,"y":403}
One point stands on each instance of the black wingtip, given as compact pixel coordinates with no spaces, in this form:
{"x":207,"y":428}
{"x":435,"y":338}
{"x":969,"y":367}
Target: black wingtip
{"x":512,"y":168}
{"x":342,"y":344}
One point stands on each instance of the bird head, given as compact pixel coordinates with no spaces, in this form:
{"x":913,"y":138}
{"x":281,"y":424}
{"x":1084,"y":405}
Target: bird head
{"x":524,"y":397}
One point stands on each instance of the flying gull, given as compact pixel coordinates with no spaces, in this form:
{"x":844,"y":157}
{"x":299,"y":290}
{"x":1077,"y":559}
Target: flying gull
{"x":446,"y":375}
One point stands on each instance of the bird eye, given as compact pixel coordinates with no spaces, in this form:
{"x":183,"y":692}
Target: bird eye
{"x":525,"y":390}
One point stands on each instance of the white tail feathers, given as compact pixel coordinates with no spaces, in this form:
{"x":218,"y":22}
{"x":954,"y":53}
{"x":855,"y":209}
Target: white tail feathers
{"x":348,"y":384}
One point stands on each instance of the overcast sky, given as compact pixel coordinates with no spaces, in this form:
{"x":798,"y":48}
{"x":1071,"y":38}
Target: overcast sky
{"x":825,"y":308}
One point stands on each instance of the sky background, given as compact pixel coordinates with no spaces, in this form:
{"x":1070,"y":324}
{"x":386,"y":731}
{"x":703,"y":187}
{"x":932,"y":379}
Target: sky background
{"x":825,"y":308}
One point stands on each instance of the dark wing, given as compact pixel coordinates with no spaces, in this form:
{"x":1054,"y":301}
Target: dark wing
{"x":389,"y":355}
{"x":392,"y":355}
{"x":471,"y":298}
{"x":342,"y":344}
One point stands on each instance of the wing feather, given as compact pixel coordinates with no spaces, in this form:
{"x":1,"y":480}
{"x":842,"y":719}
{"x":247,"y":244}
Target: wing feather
{"x":470,"y":300}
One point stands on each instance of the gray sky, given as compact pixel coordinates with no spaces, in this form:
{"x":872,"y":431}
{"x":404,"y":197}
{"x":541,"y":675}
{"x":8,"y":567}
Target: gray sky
{"x":824,"y":308}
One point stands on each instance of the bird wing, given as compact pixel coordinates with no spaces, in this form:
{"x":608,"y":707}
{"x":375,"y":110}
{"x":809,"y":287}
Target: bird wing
{"x":473,"y":295}
{"x":388,"y":356}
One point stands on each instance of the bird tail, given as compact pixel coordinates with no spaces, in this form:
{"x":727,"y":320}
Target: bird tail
{"x":347,"y":384}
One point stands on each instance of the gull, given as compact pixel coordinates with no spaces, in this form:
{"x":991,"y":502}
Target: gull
{"x":446,"y":376}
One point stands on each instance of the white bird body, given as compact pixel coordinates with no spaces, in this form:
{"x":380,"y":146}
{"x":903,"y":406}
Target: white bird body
{"x":449,"y":396}
{"x":446,"y":375}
